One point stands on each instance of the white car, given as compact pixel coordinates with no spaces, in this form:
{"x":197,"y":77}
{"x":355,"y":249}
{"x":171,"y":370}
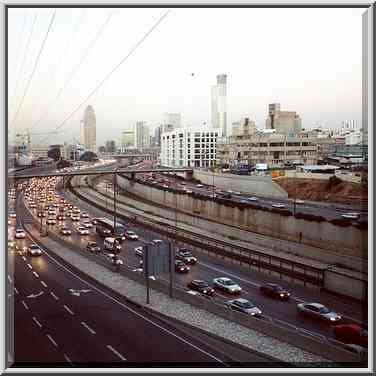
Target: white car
{"x":279,"y":205}
{"x":351,"y":215}
{"x":130,"y":235}
{"x":244,"y":306}
{"x":138,"y":251}
{"x":20,"y":234}
{"x":34,"y":250}
{"x":84,"y":215}
{"x":51,"y":221}
{"x":87,"y":224}
{"x":12,"y":215}
{"x":65,"y":231}
{"x":199,"y":186}
{"x":252,"y":198}
{"x":299,"y":201}
{"x":82,"y":230}
{"x":227,"y":285}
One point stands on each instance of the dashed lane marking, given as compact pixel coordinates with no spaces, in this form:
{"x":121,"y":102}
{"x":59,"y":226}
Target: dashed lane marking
{"x":24,"y":258}
{"x":116,"y":352}
{"x":54,"y":296}
{"x":25,"y":305}
{"x":29,"y":266}
{"x":67,"y":358}
{"x":52,"y":340}
{"x":43,"y":283}
{"x":10,"y":279}
{"x":16,"y":291}
{"x":87,"y":327}
{"x":36,"y":274}
{"x":37,"y":322}
{"x":69,"y":310}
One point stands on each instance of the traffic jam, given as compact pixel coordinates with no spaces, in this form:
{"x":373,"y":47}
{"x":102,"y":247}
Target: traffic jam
{"x":122,"y":245}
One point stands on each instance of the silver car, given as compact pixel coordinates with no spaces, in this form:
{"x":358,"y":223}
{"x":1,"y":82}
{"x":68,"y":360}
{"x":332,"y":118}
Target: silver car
{"x":319,"y":311}
{"x":244,"y":306}
{"x":227,"y":285}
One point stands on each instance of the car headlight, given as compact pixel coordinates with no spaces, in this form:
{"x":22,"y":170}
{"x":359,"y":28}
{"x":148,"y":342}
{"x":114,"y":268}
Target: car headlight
{"x":332,"y":319}
{"x":188,"y":268}
{"x":181,"y":269}
{"x":281,"y":295}
{"x":253,"y":313}
{"x":205,"y":291}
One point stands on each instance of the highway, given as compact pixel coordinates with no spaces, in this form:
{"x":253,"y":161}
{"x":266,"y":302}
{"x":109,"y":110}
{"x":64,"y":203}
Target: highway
{"x":90,"y":326}
{"x":210,"y":267}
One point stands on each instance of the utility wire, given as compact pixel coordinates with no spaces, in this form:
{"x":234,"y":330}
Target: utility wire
{"x":111,"y":72}
{"x":24,"y":56}
{"x":73,"y":71}
{"x":35,"y":67}
{"x":60,"y":60}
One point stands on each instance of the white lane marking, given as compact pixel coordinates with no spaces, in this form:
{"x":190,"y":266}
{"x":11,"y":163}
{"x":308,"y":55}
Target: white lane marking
{"x":30,"y":267}
{"x":54,"y":296}
{"x":24,"y":258}
{"x":67,"y":358}
{"x":36,"y":274}
{"x":10,"y":279}
{"x":25,"y":305}
{"x":134,"y":312}
{"x":87,"y":327}
{"x":37,"y":322}
{"x":16,"y":291}
{"x":52,"y":340}
{"x":69,"y":310}
{"x":116,"y":352}
{"x":43,"y":283}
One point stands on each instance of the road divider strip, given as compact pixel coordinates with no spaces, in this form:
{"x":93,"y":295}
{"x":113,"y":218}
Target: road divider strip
{"x":36,"y":274}
{"x":43,"y":284}
{"x":37,"y":322}
{"x":54,"y":296}
{"x":52,"y":340}
{"x":29,"y":266}
{"x":25,"y":305}
{"x":68,"y":309}
{"x":88,"y":327}
{"x":116,"y":353}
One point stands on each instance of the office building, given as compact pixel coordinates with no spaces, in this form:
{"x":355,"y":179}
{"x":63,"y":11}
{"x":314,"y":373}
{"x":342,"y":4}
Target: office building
{"x":219,"y":104}
{"x":283,"y":121}
{"x":171,"y":121}
{"x":39,"y":151}
{"x":191,"y":146}
{"x":142,"y":136}
{"x":89,"y":130}
{"x":244,"y":127}
{"x":127,"y":140}
{"x":110,"y":146}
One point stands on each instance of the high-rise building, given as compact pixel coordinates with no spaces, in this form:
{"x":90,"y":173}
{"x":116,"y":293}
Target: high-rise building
{"x":110,"y":146}
{"x":219,"y":104}
{"x":171,"y":121}
{"x":157,"y":136}
{"x":127,"y":140}
{"x":244,"y":127}
{"x":89,"y":130}
{"x":283,"y":121}
{"x":142,"y":137}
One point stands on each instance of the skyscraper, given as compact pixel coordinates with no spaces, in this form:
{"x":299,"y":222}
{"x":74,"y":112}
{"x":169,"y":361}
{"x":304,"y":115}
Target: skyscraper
{"x":142,"y":136}
{"x":171,"y":121}
{"x":127,"y":140}
{"x":89,"y":130}
{"x":219,"y":104}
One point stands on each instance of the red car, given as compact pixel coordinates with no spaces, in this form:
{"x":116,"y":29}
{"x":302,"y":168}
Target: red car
{"x":351,"y":333}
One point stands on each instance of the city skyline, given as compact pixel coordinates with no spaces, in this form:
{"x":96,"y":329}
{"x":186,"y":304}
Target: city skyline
{"x":180,"y":80}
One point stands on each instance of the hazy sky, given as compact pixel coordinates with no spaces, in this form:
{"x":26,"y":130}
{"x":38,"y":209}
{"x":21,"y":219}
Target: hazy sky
{"x":309,"y":60}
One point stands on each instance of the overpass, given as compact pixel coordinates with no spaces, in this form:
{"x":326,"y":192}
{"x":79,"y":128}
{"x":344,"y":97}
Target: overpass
{"x":132,"y":171}
{"x":128,"y":157}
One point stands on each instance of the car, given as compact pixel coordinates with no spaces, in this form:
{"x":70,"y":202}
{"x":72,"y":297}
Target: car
{"x":20,"y":234}
{"x":11,"y":244}
{"x":113,"y":259}
{"x":185,"y":255}
{"x":82,"y":230}
{"x":252,"y":198}
{"x":201,"y":286}
{"x":199,"y":186}
{"x":226,"y":195}
{"x":94,"y":221}
{"x":156,"y":242}
{"x":244,"y":306}
{"x":84,"y":215}
{"x":299,"y":201}
{"x":181,"y":267}
{"x":65,"y":231}
{"x":9,"y":222}
{"x":279,"y":205}
{"x":32,"y":206}
{"x":61,"y":217}
{"x":75,"y":218}
{"x":34,"y":250}
{"x":93,"y":247}
{"x":188,"y":191}
{"x":227,"y":285}
{"x":275,"y":291}
{"x":51,"y":221}
{"x":318,"y":311}
{"x":130,"y":235}
{"x":41,"y":215}
{"x":87,"y":224}
{"x":111,"y":244}
{"x":139,"y":251}
{"x":351,"y":333}
{"x":12,"y":215}
{"x":351,"y":215}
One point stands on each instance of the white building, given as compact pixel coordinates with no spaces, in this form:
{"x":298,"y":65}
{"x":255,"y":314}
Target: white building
{"x":142,"y":136}
{"x":39,"y":151}
{"x":89,"y":130}
{"x":171,"y":121}
{"x":219,"y":104}
{"x":193,"y":146}
{"x":283,"y":121}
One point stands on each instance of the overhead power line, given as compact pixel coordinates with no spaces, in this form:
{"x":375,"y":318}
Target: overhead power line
{"x":35,"y":67}
{"x":24,"y":57}
{"x":133,"y":49}
{"x":73,"y":71}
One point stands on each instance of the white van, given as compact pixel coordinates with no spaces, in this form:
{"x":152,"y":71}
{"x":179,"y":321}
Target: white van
{"x":111,"y":244}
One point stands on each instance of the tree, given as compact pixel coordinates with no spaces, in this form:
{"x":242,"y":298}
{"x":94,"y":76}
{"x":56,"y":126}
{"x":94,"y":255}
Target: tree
{"x":54,"y":153}
{"x":88,"y":156}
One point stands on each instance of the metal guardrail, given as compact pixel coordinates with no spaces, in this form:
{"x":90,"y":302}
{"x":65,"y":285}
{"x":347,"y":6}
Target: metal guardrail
{"x":254,"y":259}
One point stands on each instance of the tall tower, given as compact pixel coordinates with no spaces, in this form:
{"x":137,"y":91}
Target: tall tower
{"x":219,"y":104}
{"x":90,"y":130}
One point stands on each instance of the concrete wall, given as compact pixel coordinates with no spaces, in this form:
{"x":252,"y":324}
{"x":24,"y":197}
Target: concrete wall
{"x":342,"y":245}
{"x":308,"y":175}
{"x":256,"y":185}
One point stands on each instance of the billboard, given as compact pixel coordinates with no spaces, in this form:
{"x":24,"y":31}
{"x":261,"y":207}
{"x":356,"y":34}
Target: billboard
{"x":261,"y":166}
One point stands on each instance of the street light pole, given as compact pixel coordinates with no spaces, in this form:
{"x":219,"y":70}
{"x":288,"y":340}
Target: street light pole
{"x":147,"y":274}
{"x":114,"y":187}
